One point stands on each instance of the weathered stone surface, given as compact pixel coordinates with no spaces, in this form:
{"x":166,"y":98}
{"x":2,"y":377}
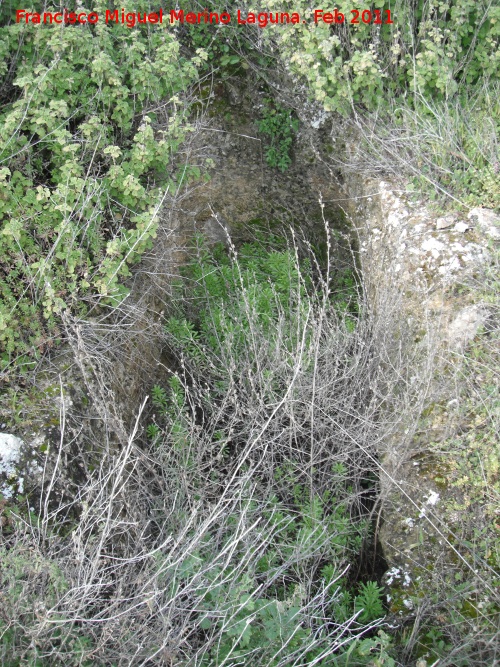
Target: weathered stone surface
{"x":466,"y":324}
{"x":487,"y":220}
{"x":446,"y":221}
{"x":10,"y":455}
{"x":20,"y":469}
{"x":402,"y":245}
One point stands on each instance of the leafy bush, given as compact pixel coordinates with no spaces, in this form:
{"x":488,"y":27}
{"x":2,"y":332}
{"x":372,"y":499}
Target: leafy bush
{"x":280,"y":126}
{"x":84,"y":164}
{"x":216,"y":42}
{"x":368,"y":601}
{"x":420,"y":94}
{"x":431,"y":48}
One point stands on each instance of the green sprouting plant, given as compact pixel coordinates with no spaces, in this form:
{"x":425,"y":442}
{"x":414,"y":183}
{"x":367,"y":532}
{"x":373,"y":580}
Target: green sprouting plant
{"x":233,"y":294}
{"x":153,"y":431}
{"x":159,"y":397}
{"x":369,"y":602}
{"x":218,"y":46}
{"x":225,"y":51}
{"x":242,"y":603}
{"x":280,"y":126}
{"x":433,"y":644}
{"x":369,"y":652}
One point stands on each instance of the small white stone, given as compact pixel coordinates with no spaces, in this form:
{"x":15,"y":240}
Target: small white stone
{"x":10,"y":452}
{"x":444,"y":222}
{"x":390,"y":575}
{"x":318,"y":121}
{"x":432,"y":498}
{"x":393,"y":219}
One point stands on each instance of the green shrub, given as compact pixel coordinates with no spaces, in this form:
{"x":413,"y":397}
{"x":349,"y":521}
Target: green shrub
{"x":420,"y":93}
{"x":369,"y":602}
{"x":431,"y":48}
{"x":280,"y":126}
{"x":229,"y":534}
{"x":84,"y":164}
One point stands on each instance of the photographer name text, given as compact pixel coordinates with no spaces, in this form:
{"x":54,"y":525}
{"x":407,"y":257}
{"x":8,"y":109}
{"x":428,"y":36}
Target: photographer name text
{"x":179,"y":16}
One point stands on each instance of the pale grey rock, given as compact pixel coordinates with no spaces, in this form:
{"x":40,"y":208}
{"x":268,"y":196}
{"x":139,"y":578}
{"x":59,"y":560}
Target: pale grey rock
{"x":466,"y":325}
{"x":487,"y":220}
{"x":430,"y":263}
{"x":319,"y":119}
{"x":433,"y":246}
{"x":10,"y":454}
{"x":445,"y":222}
{"x":461,"y":227}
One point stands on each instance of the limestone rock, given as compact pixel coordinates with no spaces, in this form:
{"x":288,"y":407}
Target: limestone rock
{"x":487,"y":220}
{"x":445,"y":222}
{"x":466,"y":324}
{"x":10,"y":455}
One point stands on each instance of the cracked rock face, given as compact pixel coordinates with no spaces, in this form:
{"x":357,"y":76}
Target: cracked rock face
{"x":426,"y":257}
{"x":488,"y":221}
{"x":10,"y":454}
{"x":466,"y":324}
{"x":404,"y":239}
{"x":19,"y":467}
